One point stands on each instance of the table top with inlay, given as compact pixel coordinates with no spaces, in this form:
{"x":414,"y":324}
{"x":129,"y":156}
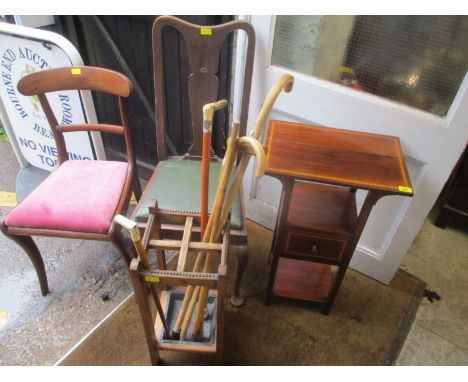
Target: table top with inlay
{"x":336,"y":156}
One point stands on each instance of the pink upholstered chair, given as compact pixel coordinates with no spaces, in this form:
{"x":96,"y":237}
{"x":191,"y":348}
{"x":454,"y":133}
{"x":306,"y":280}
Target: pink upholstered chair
{"x":80,"y":197}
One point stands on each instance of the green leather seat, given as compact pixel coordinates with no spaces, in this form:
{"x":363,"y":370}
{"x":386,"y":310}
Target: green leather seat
{"x":178,"y":186}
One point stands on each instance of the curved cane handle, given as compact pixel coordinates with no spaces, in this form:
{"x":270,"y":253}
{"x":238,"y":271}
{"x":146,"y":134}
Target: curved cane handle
{"x":252,"y":146}
{"x":128,"y":224}
{"x":285,"y":82}
{"x":210,"y":108}
{"x":134,"y":232}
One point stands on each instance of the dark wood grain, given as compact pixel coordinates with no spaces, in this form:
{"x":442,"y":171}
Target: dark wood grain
{"x":102,"y":46}
{"x":307,"y":210}
{"x":87,"y":78}
{"x":303,"y":280}
{"x":105,"y":128}
{"x":314,"y":247}
{"x":337,"y":156}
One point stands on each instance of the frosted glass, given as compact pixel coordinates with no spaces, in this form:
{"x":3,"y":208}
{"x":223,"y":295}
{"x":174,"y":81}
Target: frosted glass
{"x":419,"y":61}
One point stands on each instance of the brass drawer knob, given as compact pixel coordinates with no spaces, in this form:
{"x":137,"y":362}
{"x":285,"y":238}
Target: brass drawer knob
{"x":314,"y":250}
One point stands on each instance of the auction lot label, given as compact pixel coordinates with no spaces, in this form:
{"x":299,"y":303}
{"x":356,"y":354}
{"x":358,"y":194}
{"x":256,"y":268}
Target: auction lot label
{"x":20,"y":57}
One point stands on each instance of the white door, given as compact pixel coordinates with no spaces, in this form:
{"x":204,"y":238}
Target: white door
{"x":325,"y":52}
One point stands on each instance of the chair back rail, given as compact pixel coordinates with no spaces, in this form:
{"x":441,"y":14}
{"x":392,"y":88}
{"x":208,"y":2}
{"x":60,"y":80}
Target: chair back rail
{"x":81,"y":78}
{"x":76,"y":78}
{"x":203,"y":44}
{"x":105,"y":128}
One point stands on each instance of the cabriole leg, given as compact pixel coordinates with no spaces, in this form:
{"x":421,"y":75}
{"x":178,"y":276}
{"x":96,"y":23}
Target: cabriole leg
{"x":240,"y":265}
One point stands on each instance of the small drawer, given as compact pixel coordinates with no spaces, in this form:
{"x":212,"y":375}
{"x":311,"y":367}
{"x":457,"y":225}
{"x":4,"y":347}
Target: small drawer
{"x":314,"y":247}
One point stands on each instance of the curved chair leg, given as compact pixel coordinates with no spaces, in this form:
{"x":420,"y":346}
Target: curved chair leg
{"x":29,"y":246}
{"x":241,"y":263}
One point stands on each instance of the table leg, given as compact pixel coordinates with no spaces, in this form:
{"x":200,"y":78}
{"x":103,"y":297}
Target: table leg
{"x":371,"y":198}
{"x":283,"y":209}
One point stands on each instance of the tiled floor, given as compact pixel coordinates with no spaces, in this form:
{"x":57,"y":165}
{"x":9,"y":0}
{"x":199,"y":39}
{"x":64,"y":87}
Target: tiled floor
{"x":439,"y":335}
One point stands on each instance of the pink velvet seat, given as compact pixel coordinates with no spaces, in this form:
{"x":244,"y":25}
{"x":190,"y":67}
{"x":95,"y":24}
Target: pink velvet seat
{"x":77,"y":196}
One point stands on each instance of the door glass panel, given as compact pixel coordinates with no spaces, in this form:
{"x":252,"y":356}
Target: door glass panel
{"x":419,"y":61}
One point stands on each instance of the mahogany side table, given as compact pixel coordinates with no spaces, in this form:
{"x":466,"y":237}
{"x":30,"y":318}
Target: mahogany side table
{"x":318,"y":225}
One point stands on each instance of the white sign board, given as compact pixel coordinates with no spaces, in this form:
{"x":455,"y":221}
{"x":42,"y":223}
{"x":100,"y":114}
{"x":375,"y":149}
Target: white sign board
{"x":20,"y":56}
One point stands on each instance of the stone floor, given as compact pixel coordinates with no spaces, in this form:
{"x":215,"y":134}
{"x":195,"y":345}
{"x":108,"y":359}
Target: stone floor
{"x":439,"y":335}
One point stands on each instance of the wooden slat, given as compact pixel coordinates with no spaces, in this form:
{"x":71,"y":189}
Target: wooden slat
{"x":185,"y":244}
{"x":186,"y":118}
{"x":89,"y":78}
{"x":155,"y":233}
{"x":57,"y":233}
{"x":169,"y":217}
{"x":105,"y":128}
{"x":148,"y":231}
{"x":176,"y":244}
{"x":174,"y":278}
{"x":172,"y":89}
{"x":180,"y":346}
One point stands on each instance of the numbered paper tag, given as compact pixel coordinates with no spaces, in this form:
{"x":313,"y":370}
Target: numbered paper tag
{"x":8,"y":199}
{"x":152,"y":279}
{"x":205,"y":31}
{"x":408,"y":190}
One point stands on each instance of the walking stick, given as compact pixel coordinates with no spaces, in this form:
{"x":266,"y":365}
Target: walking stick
{"x":214,"y":227}
{"x":244,"y":143}
{"x":250,"y":146}
{"x":208,"y":111}
{"x":285,"y":82}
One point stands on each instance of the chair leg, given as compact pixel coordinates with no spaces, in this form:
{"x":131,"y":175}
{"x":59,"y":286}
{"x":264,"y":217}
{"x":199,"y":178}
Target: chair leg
{"x":30,"y":247}
{"x":137,"y":185}
{"x":240,"y":265}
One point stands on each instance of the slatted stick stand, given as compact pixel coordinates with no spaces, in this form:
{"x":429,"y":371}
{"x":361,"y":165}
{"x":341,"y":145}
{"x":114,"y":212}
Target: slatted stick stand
{"x":167,"y":288}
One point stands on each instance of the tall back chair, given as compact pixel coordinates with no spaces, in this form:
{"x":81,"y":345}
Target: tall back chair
{"x":176,"y":181}
{"x":79,"y":198}
{"x":204,"y":44}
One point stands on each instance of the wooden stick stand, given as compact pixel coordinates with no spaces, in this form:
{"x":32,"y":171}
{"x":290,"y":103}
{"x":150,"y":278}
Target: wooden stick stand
{"x":167,"y":288}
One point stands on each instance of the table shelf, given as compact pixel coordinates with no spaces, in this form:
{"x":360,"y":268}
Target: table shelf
{"x":303,"y":280}
{"x":322,"y":208}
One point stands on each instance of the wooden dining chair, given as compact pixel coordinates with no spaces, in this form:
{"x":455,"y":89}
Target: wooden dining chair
{"x":175,"y":182}
{"x":79,"y":198}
